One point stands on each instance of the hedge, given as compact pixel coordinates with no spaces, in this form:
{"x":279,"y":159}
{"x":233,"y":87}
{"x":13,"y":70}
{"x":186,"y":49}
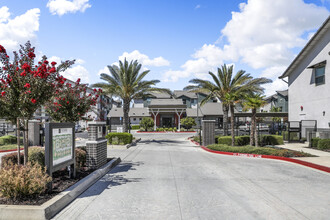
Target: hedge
{"x":239,"y":140}
{"x":125,"y":138}
{"x":315,"y":141}
{"x":323,"y":144}
{"x":245,"y":140}
{"x":135,"y":127}
{"x":271,"y":140}
{"x":8,"y":139}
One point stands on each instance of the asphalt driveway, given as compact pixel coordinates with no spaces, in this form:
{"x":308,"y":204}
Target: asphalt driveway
{"x":167,"y":177}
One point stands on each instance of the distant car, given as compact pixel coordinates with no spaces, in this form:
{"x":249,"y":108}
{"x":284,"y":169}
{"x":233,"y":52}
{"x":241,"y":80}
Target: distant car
{"x":78,"y":128}
{"x":263,"y":127}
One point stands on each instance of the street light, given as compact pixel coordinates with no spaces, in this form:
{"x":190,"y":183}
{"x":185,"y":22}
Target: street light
{"x":199,"y":122}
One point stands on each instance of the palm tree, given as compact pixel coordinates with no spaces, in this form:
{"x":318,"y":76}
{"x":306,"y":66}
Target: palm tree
{"x":125,"y":82}
{"x":229,"y":89}
{"x":254,"y":101}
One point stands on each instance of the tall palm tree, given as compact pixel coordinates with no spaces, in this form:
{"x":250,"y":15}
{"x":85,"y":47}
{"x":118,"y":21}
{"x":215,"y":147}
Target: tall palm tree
{"x":229,"y":89}
{"x":254,"y":101}
{"x":126,"y":82}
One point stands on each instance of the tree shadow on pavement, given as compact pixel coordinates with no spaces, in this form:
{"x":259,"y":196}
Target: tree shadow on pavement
{"x":159,"y":141}
{"x":113,"y":178}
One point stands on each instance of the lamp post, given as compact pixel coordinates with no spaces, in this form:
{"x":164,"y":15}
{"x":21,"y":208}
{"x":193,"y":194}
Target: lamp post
{"x":199,"y":122}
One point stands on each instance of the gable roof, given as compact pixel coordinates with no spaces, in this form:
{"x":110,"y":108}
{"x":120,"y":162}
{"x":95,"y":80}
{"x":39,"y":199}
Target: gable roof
{"x":179,"y":93}
{"x":160,"y":95}
{"x":309,"y":46}
{"x":283,"y":93}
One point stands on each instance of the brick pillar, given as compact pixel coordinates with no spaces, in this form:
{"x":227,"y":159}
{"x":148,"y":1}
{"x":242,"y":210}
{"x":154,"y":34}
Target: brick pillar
{"x":208,"y":132}
{"x":96,"y":146}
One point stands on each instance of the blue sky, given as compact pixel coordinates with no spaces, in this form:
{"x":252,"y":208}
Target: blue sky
{"x":176,"y":40}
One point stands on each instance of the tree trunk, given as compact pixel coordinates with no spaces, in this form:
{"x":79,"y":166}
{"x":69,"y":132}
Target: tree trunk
{"x":126,"y":117}
{"x":232,"y":123}
{"x":256,"y":133}
{"x":26,"y":140}
{"x":253,"y":125}
{"x":18,"y":131}
{"x":225,"y":119}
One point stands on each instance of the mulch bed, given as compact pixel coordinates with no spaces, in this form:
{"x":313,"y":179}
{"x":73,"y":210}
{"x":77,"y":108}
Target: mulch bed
{"x":61,"y":182}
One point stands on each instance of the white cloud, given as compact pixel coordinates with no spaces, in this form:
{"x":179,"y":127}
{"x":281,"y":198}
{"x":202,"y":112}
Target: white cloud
{"x":144,"y":59}
{"x":75,"y":72}
{"x":264,"y":31}
{"x":262,"y":35}
{"x":104,"y":70}
{"x":174,"y":75}
{"x":198,"y":6}
{"x":18,"y":30}
{"x":61,"y":7}
{"x":276,"y":85}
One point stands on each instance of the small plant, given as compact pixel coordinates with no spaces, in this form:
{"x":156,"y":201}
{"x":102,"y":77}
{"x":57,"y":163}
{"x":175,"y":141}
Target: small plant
{"x":147,"y":123}
{"x":37,"y":155}
{"x":11,"y":159}
{"x":19,"y":182}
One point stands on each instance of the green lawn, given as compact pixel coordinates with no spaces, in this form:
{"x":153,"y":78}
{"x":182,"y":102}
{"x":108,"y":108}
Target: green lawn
{"x":9,"y":147}
{"x":259,"y":150}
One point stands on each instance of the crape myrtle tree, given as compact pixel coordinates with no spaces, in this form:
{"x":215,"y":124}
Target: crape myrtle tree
{"x":229,"y":89}
{"x":126,"y":81}
{"x":71,"y":102}
{"x":25,"y":86}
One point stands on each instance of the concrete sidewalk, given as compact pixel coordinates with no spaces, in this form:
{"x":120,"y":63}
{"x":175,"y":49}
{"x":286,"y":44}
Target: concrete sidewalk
{"x":323,"y":158}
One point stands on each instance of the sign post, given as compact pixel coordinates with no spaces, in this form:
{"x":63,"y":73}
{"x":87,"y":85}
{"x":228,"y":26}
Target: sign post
{"x":60,"y":147}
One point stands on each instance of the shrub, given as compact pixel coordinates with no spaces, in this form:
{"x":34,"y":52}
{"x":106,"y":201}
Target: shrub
{"x":271,"y":140}
{"x":174,"y":129}
{"x":182,"y":129}
{"x":147,"y":123}
{"x":135,"y":127}
{"x":80,"y":157}
{"x":323,"y":144}
{"x":125,"y":138}
{"x":18,"y":182}
{"x":11,"y":159}
{"x":315,"y":141}
{"x":188,"y":122}
{"x":37,"y":155}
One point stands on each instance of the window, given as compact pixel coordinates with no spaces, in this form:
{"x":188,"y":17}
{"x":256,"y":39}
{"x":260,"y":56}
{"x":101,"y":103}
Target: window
{"x":134,"y":119}
{"x":140,"y":119}
{"x":319,"y":75}
{"x":184,"y":101}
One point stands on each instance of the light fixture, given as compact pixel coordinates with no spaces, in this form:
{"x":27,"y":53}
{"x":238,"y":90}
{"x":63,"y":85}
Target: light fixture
{"x":323,"y":113}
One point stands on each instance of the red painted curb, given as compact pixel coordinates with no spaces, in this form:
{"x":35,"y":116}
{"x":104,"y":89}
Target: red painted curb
{"x":3,"y":151}
{"x":297,"y":161}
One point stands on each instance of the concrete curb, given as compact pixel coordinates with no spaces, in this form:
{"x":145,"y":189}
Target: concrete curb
{"x":297,"y":161}
{"x":53,"y":206}
{"x":133,"y":143}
